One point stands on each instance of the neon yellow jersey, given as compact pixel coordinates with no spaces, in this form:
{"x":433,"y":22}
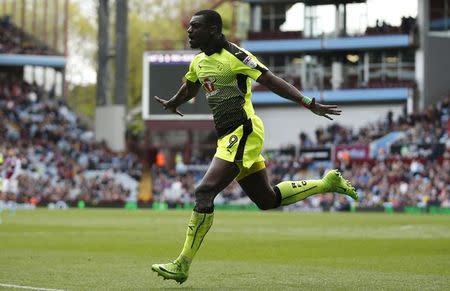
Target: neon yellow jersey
{"x":225,"y":77}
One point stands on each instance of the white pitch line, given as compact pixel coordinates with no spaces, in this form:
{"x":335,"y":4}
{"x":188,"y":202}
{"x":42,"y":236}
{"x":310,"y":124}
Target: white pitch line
{"x":28,"y":287}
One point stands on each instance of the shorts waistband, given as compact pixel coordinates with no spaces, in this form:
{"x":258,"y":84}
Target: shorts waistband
{"x":224,"y":131}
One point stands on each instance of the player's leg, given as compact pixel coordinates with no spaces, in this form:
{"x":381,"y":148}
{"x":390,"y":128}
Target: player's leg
{"x":219,"y":175}
{"x":257,"y":187}
{"x":332,"y":181}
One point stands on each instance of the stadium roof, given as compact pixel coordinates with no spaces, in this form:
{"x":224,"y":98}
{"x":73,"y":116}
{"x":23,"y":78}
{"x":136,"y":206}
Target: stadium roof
{"x":32,"y":60}
{"x":322,"y":44}
{"x":360,"y":95}
{"x":307,"y":2}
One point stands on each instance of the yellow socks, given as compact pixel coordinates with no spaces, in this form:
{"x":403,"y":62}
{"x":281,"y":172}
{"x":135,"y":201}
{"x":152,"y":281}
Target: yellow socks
{"x":293,"y":191}
{"x":198,"y":226}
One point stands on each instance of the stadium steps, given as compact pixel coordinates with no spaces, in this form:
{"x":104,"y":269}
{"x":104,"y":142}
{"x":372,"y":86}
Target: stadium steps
{"x":385,"y":142}
{"x":145,"y":186}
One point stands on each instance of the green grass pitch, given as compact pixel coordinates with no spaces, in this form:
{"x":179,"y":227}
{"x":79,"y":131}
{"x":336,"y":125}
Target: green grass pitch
{"x":114,"y":249}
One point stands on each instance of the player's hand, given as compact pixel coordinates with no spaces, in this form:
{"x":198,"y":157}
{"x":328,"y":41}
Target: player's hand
{"x":324,"y":110}
{"x":168,"y":106}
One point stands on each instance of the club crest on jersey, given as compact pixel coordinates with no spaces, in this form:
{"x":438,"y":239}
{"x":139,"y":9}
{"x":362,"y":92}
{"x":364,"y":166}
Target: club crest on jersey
{"x":208,"y":83}
{"x":249,"y":62}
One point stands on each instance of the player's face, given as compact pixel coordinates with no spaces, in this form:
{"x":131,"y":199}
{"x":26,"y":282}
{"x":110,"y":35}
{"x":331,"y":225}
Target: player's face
{"x":198,"y":32}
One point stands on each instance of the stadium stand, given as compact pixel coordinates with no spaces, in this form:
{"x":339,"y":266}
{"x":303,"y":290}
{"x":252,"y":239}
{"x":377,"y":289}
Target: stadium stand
{"x":14,"y":40}
{"x":397,"y":179}
{"x":49,"y":156}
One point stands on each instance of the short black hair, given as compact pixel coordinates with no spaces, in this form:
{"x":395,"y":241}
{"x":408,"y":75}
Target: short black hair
{"x":211,"y":18}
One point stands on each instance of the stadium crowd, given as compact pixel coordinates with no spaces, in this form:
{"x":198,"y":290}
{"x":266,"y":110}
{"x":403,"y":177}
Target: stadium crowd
{"x":47,"y":155}
{"x":428,"y":126}
{"x":395,"y":179}
{"x":13,"y":40}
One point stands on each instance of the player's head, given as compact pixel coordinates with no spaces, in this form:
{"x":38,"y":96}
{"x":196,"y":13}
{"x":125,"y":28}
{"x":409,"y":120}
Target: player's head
{"x":205,"y":26}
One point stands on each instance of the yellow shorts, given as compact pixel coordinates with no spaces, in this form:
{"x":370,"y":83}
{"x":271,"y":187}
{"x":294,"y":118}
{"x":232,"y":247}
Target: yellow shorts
{"x":243,"y":146}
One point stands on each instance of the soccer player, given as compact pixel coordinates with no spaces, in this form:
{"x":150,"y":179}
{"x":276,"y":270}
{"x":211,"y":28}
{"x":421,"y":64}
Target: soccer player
{"x":225,"y":70}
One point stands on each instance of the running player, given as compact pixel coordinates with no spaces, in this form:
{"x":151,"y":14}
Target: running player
{"x":225,"y":70}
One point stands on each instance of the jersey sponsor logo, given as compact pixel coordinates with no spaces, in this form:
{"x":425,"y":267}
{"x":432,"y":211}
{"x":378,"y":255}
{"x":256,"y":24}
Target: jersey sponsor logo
{"x":250,"y":62}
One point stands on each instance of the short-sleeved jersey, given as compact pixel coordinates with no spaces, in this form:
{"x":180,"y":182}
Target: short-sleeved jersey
{"x":226,"y":78}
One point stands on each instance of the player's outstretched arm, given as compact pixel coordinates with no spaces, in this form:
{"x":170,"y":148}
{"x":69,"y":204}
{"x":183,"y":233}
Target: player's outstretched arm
{"x":186,"y":92}
{"x":286,"y":90}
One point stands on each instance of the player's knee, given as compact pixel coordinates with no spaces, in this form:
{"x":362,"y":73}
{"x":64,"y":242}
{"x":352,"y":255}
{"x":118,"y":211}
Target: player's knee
{"x":204,"y":199}
{"x":204,"y":206}
{"x":270,"y":200}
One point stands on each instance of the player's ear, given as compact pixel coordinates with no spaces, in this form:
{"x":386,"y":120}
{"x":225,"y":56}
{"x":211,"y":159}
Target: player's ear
{"x":213,"y":29}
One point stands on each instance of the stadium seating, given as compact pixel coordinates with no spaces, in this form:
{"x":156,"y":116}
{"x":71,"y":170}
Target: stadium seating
{"x":57,"y":153}
{"x":13,"y":40}
{"x":396,"y":179}
{"x":50,"y":156}
{"x":47,"y":155}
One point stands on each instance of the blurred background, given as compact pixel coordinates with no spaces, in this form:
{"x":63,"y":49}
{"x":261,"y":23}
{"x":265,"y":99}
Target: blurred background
{"x":80,"y":129}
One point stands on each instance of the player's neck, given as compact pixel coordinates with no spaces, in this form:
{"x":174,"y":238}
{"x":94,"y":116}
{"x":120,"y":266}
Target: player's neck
{"x":215,"y":45}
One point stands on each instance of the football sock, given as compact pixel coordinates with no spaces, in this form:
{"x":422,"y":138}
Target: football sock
{"x":198,"y":226}
{"x":293,"y":191}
